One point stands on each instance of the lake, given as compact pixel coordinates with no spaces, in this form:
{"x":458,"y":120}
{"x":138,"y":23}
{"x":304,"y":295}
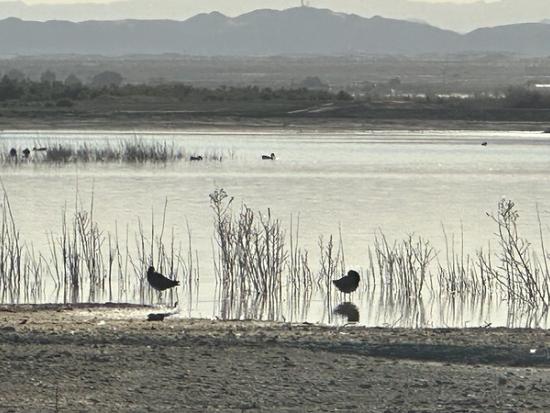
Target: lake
{"x":357,"y":184}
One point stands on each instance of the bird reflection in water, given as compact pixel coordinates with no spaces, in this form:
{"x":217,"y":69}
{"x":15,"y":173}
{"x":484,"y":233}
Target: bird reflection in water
{"x":348,"y":310}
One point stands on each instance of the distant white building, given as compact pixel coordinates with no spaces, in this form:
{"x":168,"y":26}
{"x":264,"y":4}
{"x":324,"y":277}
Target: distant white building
{"x":540,"y":87}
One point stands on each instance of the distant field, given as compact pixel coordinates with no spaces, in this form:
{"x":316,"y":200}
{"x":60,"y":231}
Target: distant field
{"x":460,"y":73}
{"x":108,"y":101}
{"x":154,"y":113}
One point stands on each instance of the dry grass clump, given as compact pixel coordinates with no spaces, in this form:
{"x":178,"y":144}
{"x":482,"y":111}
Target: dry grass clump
{"x":250,"y":261}
{"x":134,"y":151}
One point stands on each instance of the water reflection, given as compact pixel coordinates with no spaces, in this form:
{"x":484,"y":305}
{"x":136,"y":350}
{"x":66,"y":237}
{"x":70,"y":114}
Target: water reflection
{"x":424,"y":178}
{"x":348,"y":310}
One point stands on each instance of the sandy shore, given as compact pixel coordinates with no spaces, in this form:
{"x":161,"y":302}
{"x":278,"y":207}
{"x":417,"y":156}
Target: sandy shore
{"x":95,"y":359}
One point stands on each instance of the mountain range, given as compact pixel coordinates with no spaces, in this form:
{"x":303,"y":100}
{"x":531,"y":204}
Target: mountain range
{"x":461,"y":17}
{"x":295,"y":31}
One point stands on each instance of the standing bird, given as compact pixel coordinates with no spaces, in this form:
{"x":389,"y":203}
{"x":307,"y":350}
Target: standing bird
{"x":349,"y":283}
{"x":158,"y":281}
{"x":270,"y":157}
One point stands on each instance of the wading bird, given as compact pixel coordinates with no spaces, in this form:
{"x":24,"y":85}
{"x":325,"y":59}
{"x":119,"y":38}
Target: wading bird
{"x":158,"y":281}
{"x":270,"y":157}
{"x":348,"y":283}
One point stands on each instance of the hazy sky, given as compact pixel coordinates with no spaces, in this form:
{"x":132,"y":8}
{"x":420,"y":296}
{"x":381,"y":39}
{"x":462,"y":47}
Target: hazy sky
{"x":259,"y":2}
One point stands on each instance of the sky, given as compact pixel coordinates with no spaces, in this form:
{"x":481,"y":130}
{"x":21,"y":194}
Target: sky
{"x":259,"y":2}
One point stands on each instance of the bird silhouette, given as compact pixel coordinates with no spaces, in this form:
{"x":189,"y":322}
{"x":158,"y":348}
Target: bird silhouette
{"x":158,"y":281}
{"x":195,"y":158}
{"x":269,"y":157}
{"x":484,"y":144}
{"x":348,"y":283}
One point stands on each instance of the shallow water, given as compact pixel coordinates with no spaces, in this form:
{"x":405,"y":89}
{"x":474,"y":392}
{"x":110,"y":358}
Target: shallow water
{"x":361,"y":183}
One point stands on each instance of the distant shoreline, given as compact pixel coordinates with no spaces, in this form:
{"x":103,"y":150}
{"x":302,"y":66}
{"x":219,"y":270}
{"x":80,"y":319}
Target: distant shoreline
{"x":155,"y":123}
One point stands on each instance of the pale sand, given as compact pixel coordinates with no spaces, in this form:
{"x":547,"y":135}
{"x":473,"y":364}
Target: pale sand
{"x":101,"y":360}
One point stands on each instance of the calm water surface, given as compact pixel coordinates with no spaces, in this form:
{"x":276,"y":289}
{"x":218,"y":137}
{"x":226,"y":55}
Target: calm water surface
{"x":396,"y":182}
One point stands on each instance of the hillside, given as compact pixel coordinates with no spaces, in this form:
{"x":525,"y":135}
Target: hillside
{"x":295,"y":31}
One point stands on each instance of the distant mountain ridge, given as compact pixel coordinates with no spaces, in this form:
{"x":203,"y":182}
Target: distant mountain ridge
{"x":296,"y":31}
{"x":462,"y":17}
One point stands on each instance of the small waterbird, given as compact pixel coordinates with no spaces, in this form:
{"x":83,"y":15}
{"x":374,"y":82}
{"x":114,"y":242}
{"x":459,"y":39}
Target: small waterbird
{"x":270,"y":157}
{"x":158,"y":281}
{"x":484,"y":144}
{"x":40,"y":149}
{"x":13,"y":152}
{"x":348,"y":283}
{"x":195,"y":158}
{"x":26,"y":153}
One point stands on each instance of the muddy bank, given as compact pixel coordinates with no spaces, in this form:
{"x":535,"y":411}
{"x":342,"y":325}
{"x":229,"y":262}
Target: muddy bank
{"x":90,"y":359}
{"x":173,"y":122}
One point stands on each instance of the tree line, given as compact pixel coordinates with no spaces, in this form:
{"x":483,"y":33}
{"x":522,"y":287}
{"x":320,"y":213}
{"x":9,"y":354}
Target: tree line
{"x":16,"y":87}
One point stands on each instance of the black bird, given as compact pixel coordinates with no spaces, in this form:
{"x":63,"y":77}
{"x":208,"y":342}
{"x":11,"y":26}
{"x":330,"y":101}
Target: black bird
{"x":270,"y":157}
{"x":195,"y":158}
{"x":40,"y":149}
{"x":158,"y":281}
{"x":158,"y":316}
{"x":484,"y":144}
{"x":349,"y":283}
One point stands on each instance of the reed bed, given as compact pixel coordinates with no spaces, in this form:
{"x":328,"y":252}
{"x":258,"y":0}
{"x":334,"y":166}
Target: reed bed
{"x":299,"y":286}
{"x":20,"y":269}
{"x":132,"y":151}
{"x":401,"y":274}
{"x":250,"y":260}
{"x":263,"y":272}
{"x":86,"y":264}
